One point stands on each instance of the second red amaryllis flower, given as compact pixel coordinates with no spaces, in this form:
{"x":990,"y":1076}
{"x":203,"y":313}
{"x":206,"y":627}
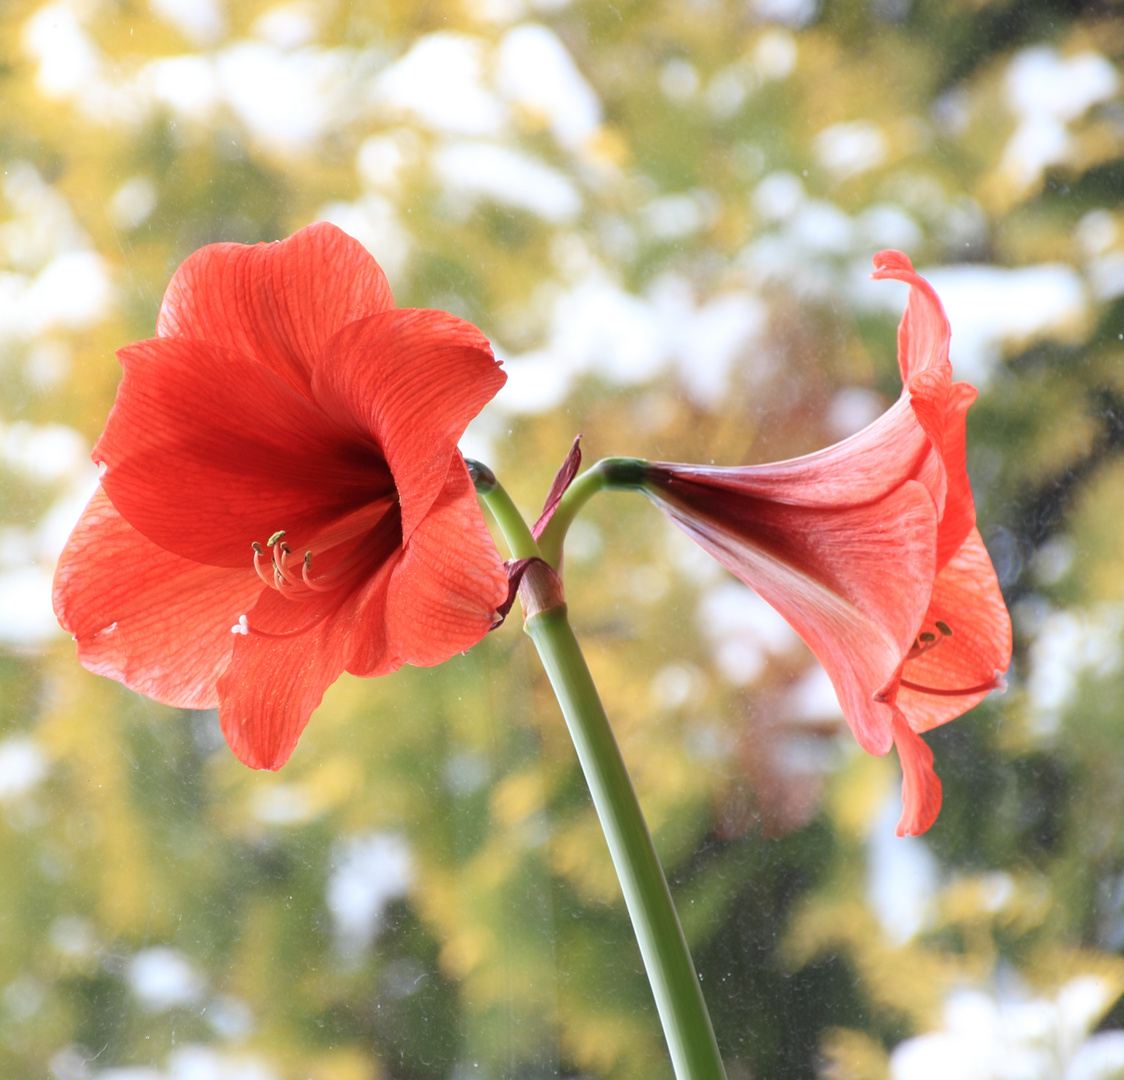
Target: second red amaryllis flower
{"x":869,"y":549}
{"x":283,"y":498}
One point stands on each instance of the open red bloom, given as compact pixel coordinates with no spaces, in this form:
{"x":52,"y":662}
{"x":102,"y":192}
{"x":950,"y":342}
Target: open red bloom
{"x":281,"y":460}
{"x":869,"y":549}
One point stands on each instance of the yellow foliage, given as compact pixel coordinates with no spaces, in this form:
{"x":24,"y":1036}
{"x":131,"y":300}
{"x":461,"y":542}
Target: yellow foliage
{"x":859,"y":789}
{"x":83,"y":732}
{"x":579,"y":854}
{"x":1096,"y":533}
{"x":517,"y":797}
{"x":906,"y":982}
{"x":852,"y":1055}
{"x":343,"y":1064}
{"x":601,"y":1044}
{"x":1056,"y":964}
{"x":466,"y":949}
{"x":1015,"y":902}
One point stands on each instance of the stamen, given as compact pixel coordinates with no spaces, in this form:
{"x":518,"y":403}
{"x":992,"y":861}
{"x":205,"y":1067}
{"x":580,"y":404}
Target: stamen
{"x":311,"y":582}
{"x":923,"y":644}
{"x":264,"y":574}
{"x":374,"y":519}
{"x":280,"y":552}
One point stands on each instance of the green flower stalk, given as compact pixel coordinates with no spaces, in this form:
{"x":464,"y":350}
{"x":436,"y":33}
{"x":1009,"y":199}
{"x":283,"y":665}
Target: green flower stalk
{"x":667,"y":960}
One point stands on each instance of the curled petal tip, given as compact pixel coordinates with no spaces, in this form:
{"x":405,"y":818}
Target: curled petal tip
{"x":891,"y":263}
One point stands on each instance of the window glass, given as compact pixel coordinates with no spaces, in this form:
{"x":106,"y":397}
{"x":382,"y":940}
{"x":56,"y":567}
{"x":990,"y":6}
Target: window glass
{"x":663,"y":217}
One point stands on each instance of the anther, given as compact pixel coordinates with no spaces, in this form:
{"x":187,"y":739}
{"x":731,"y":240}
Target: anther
{"x":927,"y":640}
{"x":259,"y":566}
{"x":291,"y":575}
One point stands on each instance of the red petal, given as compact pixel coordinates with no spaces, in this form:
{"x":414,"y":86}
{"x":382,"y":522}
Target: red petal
{"x":413,"y":380}
{"x":921,"y":787}
{"x":156,"y":622}
{"x":967,"y":599}
{"x":959,"y":517}
{"x":860,"y":469}
{"x":941,"y":409}
{"x":853,"y":581}
{"x":276,"y":303}
{"x":373,"y":653}
{"x":445,"y":592}
{"x":923,"y":334}
{"x":273,"y":684}
{"x":208,"y":453}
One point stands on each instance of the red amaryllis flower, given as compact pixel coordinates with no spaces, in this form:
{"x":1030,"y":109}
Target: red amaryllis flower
{"x":869,"y":549}
{"x":281,"y":460}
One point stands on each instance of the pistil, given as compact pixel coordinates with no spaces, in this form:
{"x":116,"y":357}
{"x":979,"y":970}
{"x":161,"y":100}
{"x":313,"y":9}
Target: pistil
{"x":243,"y":627}
{"x":926,"y":642}
{"x":996,"y":682}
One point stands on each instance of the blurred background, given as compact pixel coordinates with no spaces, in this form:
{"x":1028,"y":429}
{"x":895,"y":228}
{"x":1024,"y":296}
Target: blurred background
{"x":663,"y":215}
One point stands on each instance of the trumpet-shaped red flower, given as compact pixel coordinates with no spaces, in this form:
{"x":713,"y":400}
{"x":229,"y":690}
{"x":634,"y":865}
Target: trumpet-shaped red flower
{"x":869,"y":550}
{"x":283,"y":498}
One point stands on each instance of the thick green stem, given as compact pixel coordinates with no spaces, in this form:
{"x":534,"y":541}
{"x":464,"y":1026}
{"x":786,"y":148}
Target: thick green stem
{"x":617,"y":473}
{"x":667,"y":960}
{"x":520,"y":542}
{"x":686,"y":1023}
